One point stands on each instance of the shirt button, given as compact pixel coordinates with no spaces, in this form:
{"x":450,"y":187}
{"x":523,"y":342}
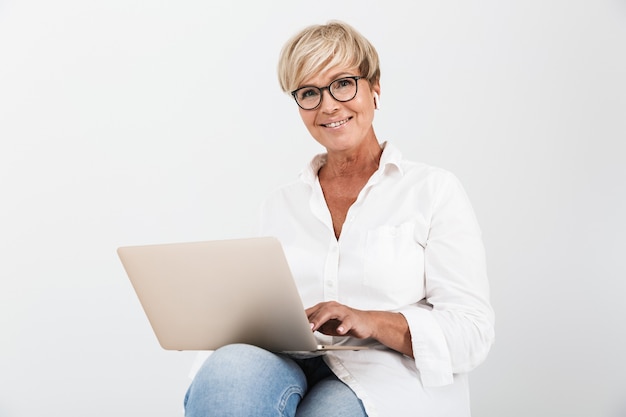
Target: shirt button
{"x":330,"y":284}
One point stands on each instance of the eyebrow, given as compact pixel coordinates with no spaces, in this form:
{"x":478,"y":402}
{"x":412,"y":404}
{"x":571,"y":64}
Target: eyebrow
{"x":335,"y":77}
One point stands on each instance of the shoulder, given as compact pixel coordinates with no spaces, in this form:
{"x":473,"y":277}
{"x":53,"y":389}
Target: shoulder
{"x":285,"y":194}
{"x":428,"y":174}
{"x":299,"y":187}
{"x":418,"y":180}
{"x":392,"y":157}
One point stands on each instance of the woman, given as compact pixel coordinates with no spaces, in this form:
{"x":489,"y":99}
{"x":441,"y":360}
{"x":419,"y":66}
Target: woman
{"x":386,"y":252}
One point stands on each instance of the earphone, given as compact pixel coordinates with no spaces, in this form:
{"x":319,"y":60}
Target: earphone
{"x":376,"y":102}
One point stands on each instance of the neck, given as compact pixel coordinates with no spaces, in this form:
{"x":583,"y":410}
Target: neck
{"x":358,"y":162}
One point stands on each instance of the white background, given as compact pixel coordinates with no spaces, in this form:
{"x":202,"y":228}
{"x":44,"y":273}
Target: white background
{"x":129,"y":122}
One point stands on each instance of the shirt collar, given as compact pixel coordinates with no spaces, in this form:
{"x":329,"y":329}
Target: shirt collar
{"x":390,"y":159}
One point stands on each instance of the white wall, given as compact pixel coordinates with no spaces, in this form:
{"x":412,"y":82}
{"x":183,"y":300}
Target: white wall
{"x":127,"y":122}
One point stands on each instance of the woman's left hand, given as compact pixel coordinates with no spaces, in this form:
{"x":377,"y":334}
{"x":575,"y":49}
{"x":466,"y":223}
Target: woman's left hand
{"x":389,"y":328}
{"x":334,"y":319}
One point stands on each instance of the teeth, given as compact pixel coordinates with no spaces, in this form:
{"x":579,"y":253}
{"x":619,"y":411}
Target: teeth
{"x":336,"y":124}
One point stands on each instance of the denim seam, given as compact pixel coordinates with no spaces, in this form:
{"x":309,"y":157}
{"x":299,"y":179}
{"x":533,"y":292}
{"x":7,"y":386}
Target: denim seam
{"x":285,"y":397}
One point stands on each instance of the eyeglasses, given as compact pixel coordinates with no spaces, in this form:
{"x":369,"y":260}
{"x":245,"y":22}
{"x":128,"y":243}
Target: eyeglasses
{"x":343,"y":89}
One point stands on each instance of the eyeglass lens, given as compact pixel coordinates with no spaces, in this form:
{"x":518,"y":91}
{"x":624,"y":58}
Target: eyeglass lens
{"x":343,"y":89}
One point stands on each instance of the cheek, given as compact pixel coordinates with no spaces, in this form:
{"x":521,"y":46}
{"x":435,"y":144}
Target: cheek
{"x":308,"y":118}
{"x":365,"y":109}
{"x":362,"y":103}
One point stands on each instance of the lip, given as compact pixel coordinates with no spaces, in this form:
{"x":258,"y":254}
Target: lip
{"x":336,"y":124}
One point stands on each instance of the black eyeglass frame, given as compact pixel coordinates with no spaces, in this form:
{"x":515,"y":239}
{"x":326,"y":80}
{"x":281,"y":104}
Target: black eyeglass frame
{"x":356,"y":79}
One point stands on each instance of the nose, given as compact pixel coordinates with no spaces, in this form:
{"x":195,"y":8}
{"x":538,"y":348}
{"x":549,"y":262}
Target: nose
{"x":328,"y":104}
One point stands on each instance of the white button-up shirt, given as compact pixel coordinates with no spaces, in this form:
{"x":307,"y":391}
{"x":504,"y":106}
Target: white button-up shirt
{"x":410,"y":244}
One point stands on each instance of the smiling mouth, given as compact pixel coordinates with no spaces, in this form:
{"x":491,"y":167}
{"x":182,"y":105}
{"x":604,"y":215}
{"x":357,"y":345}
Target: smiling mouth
{"x":338,"y":123}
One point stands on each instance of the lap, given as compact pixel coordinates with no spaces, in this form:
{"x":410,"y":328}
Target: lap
{"x":243,"y":379}
{"x":330,"y":394}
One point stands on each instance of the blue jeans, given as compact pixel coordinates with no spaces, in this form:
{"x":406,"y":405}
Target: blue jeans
{"x":244,"y":381}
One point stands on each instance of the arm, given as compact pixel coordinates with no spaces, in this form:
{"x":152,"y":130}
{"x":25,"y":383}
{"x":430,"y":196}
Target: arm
{"x":450,"y":330}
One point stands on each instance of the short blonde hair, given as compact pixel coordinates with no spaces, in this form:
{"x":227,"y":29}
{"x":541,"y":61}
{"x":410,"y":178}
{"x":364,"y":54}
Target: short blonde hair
{"x":319,"y":47}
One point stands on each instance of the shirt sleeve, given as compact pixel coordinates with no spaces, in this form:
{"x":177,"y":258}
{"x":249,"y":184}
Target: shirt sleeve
{"x":452,"y":329}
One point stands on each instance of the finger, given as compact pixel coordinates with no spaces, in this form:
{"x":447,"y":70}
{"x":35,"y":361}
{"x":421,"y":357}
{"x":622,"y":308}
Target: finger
{"x":332,"y":320}
{"x":345,"y":326}
{"x":311,"y":310}
{"x":322,"y":322}
{"x":321,"y":312}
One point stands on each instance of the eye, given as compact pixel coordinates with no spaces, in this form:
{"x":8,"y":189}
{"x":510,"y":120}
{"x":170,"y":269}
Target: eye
{"x":307,"y":93}
{"x":343,"y":83}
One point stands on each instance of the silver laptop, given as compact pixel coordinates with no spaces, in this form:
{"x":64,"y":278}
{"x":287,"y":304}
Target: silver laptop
{"x":204,"y":295}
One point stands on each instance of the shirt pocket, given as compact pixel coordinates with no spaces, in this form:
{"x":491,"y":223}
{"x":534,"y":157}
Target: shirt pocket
{"x":394,"y":262}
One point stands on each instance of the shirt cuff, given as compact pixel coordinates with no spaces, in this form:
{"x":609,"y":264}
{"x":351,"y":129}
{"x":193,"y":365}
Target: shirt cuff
{"x":430,"y":349}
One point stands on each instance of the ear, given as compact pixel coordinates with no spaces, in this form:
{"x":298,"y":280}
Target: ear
{"x":376,"y":94}
{"x":376,"y":89}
